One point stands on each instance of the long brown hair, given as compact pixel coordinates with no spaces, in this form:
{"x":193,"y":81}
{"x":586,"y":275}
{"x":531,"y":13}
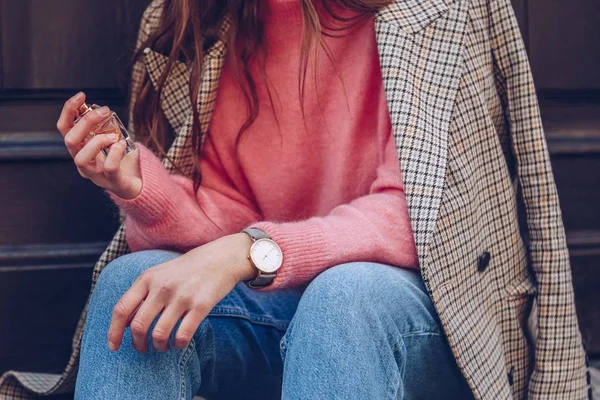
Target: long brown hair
{"x":190,"y":27}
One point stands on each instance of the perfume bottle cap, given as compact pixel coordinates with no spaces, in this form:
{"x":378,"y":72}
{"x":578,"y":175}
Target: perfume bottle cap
{"x":84,"y":109}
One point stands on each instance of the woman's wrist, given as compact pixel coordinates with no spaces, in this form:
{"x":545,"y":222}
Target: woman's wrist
{"x":229,"y":254}
{"x":129,"y":192}
{"x":244,"y":269}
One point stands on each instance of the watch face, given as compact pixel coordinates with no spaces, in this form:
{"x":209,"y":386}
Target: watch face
{"x":266,"y":255}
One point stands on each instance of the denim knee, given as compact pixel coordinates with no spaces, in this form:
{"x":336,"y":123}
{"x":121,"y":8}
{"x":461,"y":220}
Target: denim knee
{"x":164,"y":374}
{"x":366,"y":295}
{"x":368,"y":330}
{"x":118,"y":275}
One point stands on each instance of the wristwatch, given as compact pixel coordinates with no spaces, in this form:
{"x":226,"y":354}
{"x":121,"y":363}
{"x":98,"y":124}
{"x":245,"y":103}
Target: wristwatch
{"x":265,"y":255}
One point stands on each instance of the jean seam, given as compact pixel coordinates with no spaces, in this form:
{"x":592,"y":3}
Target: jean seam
{"x":399,"y":347}
{"x":285,"y":342}
{"x":423,"y":333}
{"x":185,"y":356}
{"x":234,"y":312}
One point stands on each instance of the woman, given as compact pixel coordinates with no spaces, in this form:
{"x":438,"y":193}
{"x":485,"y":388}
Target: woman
{"x":376,"y":146}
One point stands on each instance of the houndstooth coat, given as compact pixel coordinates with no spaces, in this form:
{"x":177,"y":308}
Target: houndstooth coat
{"x":470,"y":144}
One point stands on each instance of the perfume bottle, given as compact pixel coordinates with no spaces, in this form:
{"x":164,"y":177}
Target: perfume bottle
{"x":112,"y":124}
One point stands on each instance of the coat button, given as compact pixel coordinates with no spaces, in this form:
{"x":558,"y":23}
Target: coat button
{"x":511,"y":375}
{"x":484,"y":261}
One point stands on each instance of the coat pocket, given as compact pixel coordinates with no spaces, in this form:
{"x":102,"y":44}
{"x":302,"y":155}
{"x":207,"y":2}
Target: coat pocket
{"x":518,"y":332}
{"x":521,"y":286}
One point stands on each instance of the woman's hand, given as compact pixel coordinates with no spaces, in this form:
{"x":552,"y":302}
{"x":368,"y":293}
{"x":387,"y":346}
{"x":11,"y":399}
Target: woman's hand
{"x":187,"y":287}
{"x":114,"y":172}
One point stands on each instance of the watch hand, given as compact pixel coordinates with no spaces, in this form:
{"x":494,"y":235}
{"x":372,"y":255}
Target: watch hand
{"x":267,"y":253}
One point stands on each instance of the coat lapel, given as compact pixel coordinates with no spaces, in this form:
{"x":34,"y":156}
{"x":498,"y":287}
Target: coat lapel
{"x":420,"y":59}
{"x":175,"y":101}
{"x":412,"y":15}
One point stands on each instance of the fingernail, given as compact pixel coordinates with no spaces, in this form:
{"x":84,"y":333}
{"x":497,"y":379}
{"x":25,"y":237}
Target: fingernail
{"x":114,"y":137}
{"x":111,"y":346}
{"x":103,"y":111}
{"x":78,"y":96}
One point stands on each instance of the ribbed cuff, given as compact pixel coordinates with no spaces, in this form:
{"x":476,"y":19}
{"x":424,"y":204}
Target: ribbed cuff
{"x":304,"y":251}
{"x":154,"y":202}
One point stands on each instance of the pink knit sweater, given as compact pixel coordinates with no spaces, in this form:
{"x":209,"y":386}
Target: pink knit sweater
{"x":327,"y":192}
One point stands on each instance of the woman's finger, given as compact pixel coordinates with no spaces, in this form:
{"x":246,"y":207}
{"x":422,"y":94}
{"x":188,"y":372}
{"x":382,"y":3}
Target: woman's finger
{"x":126,"y":306}
{"x":133,"y":313}
{"x":112,"y":164}
{"x":189,"y":325}
{"x":90,"y":151}
{"x":140,"y":324}
{"x":77,"y":135}
{"x":163,"y":328}
{"x":69,"y":113}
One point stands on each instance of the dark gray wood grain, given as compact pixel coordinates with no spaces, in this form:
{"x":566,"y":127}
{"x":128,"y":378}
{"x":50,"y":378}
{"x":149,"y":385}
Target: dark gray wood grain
{"x":63,"y":44}
{"x":54,"y":224}
{"x":564,"y":43}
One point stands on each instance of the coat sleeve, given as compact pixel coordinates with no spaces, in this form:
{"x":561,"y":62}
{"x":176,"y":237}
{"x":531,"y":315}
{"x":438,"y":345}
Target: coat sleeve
{"x":149,"y":21}
{"x":560,"y":362}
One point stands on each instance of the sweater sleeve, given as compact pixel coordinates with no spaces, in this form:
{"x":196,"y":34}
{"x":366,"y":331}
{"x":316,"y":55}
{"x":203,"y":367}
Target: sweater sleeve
{"x":168,"y":214}
{"x":374,"y":227}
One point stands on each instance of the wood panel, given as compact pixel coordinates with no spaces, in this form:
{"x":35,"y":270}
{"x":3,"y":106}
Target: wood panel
{"x":586,"y":283}
{"x":572,"y":125}
{"x":23,"y":111}
{"x":564,"y":43}
{"x":49,"y":202}
{"x":66,"y":44}
{"x":39,"y":338}
{"x":35,"y":336}
{"x":564,"y":52}
{"x":520,"y":8}
{"x":55,"y":223}
{"x":50,"y":50}
{"x":579,"y":191}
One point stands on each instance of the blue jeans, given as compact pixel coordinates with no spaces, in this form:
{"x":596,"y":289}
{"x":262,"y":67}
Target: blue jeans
{"x":360,"y":330}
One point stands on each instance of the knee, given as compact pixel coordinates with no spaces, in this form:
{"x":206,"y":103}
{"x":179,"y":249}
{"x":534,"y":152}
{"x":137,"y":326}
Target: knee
{"x":341,"y":293}
{"x":118,"y":275}
{"x":365,"y":295}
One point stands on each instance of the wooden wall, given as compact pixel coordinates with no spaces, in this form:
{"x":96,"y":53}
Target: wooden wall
{"x":54,"y":224}
{"x":563,"y":41}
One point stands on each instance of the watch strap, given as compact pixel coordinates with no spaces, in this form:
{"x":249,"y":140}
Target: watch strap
{"x":256,"y":233}
{"x":262,"y":279}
